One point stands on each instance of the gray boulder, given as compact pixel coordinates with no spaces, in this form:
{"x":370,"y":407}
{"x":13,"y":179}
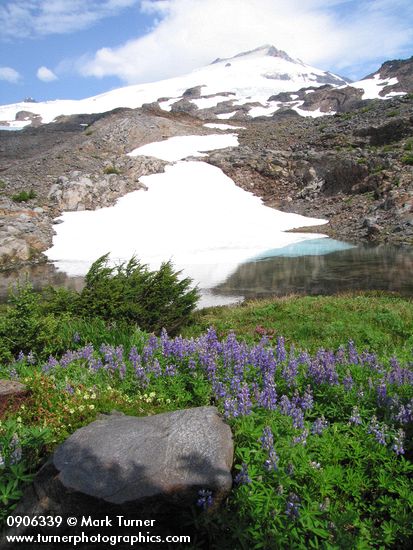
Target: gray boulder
{"x":151,"y":467}
{"x":124,"y":458}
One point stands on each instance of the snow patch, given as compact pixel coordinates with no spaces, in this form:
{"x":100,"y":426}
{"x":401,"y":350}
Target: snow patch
{"x":264,"y":111}
{"x":192,"y":213}
{"x":180,"y":147}
{"x":223,"y":126}
{"x":208,"y":102}
{"x":225,"y":116}
{"x":373,"y":86}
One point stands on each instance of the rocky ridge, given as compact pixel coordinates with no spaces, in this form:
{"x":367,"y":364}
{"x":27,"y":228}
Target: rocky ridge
{"x":67,"y":166}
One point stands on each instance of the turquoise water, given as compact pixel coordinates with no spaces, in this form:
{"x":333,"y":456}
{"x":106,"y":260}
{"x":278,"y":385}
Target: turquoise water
{"x":313,"y":247}
{"x":9,"y":129}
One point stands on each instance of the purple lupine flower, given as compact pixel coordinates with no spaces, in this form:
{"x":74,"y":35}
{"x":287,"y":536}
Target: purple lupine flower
{"x":13,"y":374}
{"x":267,"y":398}
{"x":307,"y":401}
{"x":170,"y":370}
{"x":76,"y":338}
{"x":95,"y":364}
{"x":381,"y":393}
{"x":156,"y":368}
{"x":404,"y":415}
{"x":355,"y":417}
{"x":230,"y":408}
{"x":285,"y":405}
{"x":281,"y":353}
{"x":21,"y":356}
{"x":348,"y":382}
{"x":398,"y":442}
{"x":272,"y":461}
{"x":290,"y":372}
{"x":67,"y":358}
{"x":267,"y":439}
{"x":319,"y":426}
{"x":51,"y":364}
{"x":219,"y":390}
{"x":136,"y":361}
{"x":292,"y":506}
{"x":322,"y":368}
{"x":302,"y":438}
{"x":297,"y":416}
{"x":399,"y":375}
{"x":31,"y":360}
{"x":304,"y":358}
{"x":235,"y":384}
{"x":289,"y":469}
{"x":134,"y":357}
{"x":353,"y":356}
{"x":69,"y":389}
{"x":242,"y":477}
{"x":205,"y":499}
{"x":86,"y":352}
{"x":369,"y":360}
{"x":379,"y":433}
{"x":341,"y":355}
{"x":244,"y":401}
{"x":263,"y":359}
{"x":149,"y":349}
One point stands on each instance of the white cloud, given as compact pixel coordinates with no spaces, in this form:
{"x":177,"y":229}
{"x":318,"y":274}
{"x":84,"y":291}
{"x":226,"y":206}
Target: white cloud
{"x":30,"y":18}
{"x":334,"y":34}
{"x":45,"y":74}
{"x":9,"y":74}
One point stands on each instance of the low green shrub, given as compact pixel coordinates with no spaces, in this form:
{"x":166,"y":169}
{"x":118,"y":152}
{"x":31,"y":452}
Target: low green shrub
{"x":114,"y":301}
{"x":408,"y":159}
{"x":408,"y":146}
{"x":111,"y":170}
{"x":131,"y":293}
{"x":24,"y":196}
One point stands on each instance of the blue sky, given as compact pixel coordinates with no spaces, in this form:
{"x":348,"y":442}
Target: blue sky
{"x":57,"y":49}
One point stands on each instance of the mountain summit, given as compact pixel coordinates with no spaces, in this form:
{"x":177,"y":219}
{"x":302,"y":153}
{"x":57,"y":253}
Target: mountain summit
{"x":249,"y":77}
{"x":258,"y":82}
{"x":266,"y":49}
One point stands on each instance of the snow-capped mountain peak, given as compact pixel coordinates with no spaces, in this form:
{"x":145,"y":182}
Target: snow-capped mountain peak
{"x":265,"y":50}
{"x":253,"y":83}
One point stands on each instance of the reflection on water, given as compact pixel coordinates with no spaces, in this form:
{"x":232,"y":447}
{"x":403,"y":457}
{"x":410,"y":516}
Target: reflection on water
{"x":314,"y":272}
{"x":359,"y":268}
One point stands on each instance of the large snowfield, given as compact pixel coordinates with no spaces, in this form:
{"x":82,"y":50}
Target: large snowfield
{"x":192,"y":214}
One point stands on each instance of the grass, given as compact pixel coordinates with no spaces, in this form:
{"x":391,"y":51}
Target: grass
{"x":379,"y":321}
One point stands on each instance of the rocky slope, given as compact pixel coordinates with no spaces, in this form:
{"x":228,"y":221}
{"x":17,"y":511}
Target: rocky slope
{"x":74,"y":164}
{"x":354,"y":167}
